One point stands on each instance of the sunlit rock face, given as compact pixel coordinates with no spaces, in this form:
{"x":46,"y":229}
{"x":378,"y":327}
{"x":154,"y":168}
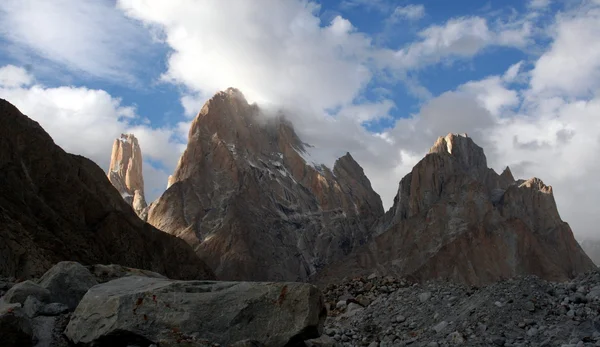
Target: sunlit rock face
{"x":247,"y":199}
{"x":455,"y":219}
{"x":125,"y":172}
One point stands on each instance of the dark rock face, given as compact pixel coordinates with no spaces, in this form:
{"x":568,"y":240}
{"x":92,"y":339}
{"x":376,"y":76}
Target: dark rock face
{"x":455,"y":219}
{"x":252,"y":207}
{"x":57,"y":206}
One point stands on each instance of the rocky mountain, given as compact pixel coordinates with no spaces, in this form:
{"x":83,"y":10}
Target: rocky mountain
{"x":245,"y":197}
{"x":57,"y":206}
{"x":592,"y":249}
{"x":125,"y":173}
{"x":455,"y":219}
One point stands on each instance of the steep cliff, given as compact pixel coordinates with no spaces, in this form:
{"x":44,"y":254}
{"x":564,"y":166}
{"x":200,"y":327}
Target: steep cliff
{"x":125,"y":172}
{"x":244,"y":196}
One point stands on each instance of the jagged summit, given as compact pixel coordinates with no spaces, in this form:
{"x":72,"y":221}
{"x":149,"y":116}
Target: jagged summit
{"x":125,"y":172}
{"x":245,"y":197}
{"x":455,"y":219}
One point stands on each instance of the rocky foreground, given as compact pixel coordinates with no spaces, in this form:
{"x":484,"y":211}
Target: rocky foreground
{"x":111,"y":305}
{"x":524,"y":311}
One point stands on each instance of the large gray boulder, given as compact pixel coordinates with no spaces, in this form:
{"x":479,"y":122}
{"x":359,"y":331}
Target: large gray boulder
{"x":164,"y":311}
{"x":20,"y":291}
{"x":68,"y":281}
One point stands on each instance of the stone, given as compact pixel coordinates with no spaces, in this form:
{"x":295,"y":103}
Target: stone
{"x":236,"y":156}
{"x":43,"y":330}
{"x":68,"y":282}
{"x":424,"y":296}
{"x":440,"y":326}
{"x":530,"y":306}
{"x":53,"y":309}
{"x":125,"y":172}
{"x":162,"y":311}
{"x":104,"y":273}
{"x":58,"y":206}
{"x":32,"y":306}
{"x":323,"y":341}
{"x":498,"y":340}
{"x":20,"y":291}
{"x":15,"y":327}
{"x":456,"y":338}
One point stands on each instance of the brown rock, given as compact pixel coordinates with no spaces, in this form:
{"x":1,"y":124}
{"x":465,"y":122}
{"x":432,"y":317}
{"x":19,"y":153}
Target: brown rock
{"x":57,"y":206}
{"x":249,"y":203}
{"x":455,"y":219}
{"x":125,"y":172}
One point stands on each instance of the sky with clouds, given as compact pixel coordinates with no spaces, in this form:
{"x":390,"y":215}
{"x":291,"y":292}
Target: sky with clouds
{"x":381,"y":79}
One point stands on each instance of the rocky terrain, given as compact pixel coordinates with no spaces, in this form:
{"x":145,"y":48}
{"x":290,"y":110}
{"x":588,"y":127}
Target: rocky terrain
{"x":57,"y":206}
{"x":245,"y":197}
{"x":523,"y":311}
{"x":125,"y":173}
{"x":455,"y":219}
{"x":114,"y":306}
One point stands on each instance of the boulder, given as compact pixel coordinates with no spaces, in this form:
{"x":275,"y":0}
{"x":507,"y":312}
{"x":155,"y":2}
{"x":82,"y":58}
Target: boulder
{"x":163,"y":311}
{"x":15,"y":327}
{"x":20,"y":291}
{"x":105,"y":273}
{"x":67,"y":282}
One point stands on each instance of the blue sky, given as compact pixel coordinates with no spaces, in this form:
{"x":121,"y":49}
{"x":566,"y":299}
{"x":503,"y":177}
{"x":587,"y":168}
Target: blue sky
{"x":379,"y":78}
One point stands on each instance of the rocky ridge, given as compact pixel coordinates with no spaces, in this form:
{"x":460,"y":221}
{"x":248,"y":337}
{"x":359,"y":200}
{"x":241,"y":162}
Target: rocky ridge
{"x":57,"y":206}
{"x":125,"y":173}
{"x":245,"y":197}
{"x":455,"y":219}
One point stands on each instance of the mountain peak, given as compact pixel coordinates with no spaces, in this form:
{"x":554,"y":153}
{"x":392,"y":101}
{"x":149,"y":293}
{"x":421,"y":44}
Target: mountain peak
{"x":246,"y":198}
{"x":125,"y":171}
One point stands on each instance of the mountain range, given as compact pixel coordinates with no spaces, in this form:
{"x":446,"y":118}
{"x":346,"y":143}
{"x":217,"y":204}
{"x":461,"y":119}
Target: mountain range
{"x":246,"y":197}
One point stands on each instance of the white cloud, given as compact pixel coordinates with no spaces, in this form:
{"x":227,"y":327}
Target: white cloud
{"x":82,"y":35}
{"x":539,"y":4}
{"x":512,"y":74}
{"x":282,"y":55}
{"x":13,"y":76}
{"x":459,"y":38}
{"x":86,"y":122}
{"x":572,"y":65}
{"x":409,"y":12}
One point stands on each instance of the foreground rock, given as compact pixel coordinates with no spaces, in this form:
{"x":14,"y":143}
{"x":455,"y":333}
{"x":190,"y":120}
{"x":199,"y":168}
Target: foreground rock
{"x":247,"y":198}
{"x":165,"y":312}
{"x":125,"y":172}
{"x":57,"y":206}
{"x":524,"y":311}
{"x":455,"y":219}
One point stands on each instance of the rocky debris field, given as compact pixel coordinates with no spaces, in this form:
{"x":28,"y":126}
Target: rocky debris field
{"x":115,"y":306}
{"x":525,"y":311}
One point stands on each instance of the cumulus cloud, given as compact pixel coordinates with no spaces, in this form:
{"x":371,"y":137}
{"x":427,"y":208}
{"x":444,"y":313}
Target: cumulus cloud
{"x":82,"y":35}
{"x":14,"y":76}
{"x":86,"y":122}
{"x":572,"y":65}
{"x":459,"y":38}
